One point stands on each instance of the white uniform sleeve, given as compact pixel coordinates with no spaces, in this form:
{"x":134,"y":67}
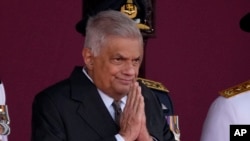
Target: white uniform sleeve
{"x":217,"y":123}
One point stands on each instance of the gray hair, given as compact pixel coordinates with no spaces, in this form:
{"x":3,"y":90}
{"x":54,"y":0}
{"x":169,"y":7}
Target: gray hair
{"x":109,"y":23}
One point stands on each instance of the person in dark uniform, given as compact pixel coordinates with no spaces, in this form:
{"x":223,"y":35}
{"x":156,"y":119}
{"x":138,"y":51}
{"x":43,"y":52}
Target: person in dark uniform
{"x":162,"y":93}
{"x":102,"y":101}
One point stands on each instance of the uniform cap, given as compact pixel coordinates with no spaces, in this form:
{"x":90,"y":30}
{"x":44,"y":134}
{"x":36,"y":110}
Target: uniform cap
{"x":138,"y":10}
{"x":245,"y":23}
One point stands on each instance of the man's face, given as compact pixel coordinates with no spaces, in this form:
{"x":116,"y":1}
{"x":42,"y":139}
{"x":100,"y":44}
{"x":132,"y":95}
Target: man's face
{"x":117,"y":66}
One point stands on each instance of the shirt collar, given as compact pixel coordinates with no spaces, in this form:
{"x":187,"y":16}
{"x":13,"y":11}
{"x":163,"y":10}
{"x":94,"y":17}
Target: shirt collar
{"x":106,"y":99}
{"x":85,"y":72}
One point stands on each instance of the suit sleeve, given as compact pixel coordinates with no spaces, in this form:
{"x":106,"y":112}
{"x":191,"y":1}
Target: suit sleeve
{"x":46,"y":121}
{"x":48,"y":124}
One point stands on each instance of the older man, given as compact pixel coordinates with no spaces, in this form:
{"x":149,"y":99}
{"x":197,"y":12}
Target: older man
{"x":103,"y":100}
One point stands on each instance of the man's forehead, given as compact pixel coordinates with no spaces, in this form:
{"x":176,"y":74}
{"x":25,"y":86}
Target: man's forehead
{"x":123,"y":48}
{"x":126,"y":55}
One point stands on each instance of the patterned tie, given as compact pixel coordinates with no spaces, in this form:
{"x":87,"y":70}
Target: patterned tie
{"x":117,"y":107}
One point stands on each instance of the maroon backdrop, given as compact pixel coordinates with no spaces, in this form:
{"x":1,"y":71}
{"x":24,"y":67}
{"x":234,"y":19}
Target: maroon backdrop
{"x":198,"y":50}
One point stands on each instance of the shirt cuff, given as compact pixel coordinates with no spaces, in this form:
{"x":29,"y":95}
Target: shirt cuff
{"x":119,"y":137}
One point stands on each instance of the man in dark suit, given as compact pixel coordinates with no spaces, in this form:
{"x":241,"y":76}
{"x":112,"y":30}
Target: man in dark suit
{"x":80,"y":108}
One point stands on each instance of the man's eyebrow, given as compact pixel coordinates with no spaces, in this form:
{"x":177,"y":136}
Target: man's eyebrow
{"x":119,"y":55}
{"x":139,"y":57}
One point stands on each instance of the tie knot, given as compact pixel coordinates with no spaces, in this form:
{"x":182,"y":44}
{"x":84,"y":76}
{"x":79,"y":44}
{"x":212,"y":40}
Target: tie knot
{"x":117,"y":107}
{"x":116,"y":104}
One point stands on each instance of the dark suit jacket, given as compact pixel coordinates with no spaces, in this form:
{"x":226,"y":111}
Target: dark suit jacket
{"x":72,"y":110}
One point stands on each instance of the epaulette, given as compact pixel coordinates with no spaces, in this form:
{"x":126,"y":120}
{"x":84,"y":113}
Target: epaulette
{"x":153,"y":84}
{"x":232,"y":91}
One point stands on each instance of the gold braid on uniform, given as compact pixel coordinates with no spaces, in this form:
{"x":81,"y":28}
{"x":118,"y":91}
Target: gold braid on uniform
{"x":232,"y":91}
{"x":153,"y":84}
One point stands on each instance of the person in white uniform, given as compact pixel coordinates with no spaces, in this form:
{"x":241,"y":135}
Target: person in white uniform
{"x":231,"y":107}
{"x":4,"y":116}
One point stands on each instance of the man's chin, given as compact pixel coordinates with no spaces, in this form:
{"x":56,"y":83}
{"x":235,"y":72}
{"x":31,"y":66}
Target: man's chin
{"x":124,"y":90}
{"x":125,"y":82}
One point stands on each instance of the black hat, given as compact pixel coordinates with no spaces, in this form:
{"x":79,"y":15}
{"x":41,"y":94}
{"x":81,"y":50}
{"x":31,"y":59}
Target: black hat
{"x":143,"y":10}
{"x":245,"y":23}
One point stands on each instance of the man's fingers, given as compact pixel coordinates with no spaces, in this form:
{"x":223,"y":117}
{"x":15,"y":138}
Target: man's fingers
{"x":132,"y":99}
{"x":140,"y":101}
{"x":133,"y":114}
{"x":130,"y":95}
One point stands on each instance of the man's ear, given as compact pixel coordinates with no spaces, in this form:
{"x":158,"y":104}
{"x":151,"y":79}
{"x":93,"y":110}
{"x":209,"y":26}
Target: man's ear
{"x":88,"y":57}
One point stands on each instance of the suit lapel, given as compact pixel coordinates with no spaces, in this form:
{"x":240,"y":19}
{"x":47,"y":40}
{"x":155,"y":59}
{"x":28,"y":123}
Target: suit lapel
{"x":97,"y":116}
{"x":92,"y":108}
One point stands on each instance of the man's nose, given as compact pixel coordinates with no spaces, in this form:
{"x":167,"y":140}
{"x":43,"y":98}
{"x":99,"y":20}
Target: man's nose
{"x":129,"y":69}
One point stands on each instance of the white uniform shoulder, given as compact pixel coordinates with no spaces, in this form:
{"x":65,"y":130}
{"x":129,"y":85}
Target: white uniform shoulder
{"x":225,"y":111}
{"x":235,"y":90}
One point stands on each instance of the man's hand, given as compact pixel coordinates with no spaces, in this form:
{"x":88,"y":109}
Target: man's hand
{"x":144,"y":135}
{"x":133,"y":119}
{"x":133,"y":114}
